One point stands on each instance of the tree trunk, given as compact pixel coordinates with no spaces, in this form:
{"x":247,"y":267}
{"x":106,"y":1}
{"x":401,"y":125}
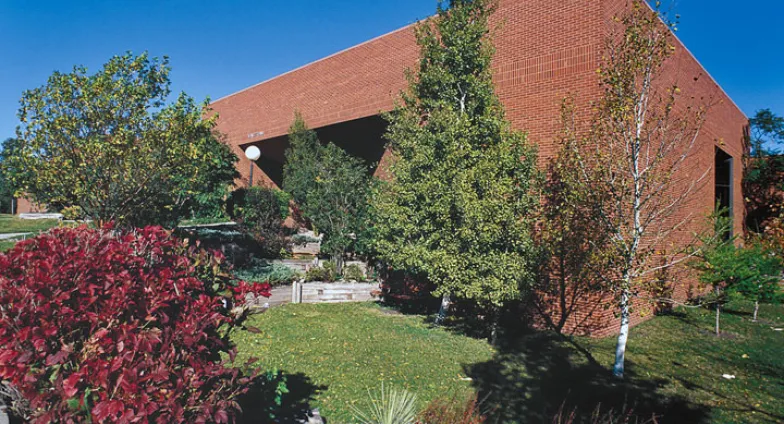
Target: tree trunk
{"x":623,"y":335}
{"x":718,"y":311}
{"x":494,"y":326}
{"x":446,"y":302}
{"x":338,"y":259}
{"x":756,"y":309}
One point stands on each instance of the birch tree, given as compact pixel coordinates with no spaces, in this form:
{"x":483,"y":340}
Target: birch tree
{"x":633,"y":160}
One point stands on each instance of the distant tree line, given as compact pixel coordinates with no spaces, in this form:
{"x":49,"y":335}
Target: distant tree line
{"x":6,"y":191}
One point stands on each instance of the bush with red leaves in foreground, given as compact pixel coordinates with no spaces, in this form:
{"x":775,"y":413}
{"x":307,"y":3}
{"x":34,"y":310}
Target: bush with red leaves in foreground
{"x":103,"y":326}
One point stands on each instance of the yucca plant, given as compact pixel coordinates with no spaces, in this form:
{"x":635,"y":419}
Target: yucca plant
{"x":389,"y":407}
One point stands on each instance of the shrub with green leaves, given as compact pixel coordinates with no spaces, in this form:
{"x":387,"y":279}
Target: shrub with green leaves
{"x":259,"y":270}
{"x":73,"y":213}
{"x":353,"y":272}
{"x":325,"y":273}
{"x":260,"y":212}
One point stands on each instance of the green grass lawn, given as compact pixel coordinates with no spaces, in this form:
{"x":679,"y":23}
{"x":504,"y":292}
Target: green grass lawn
{"x":347,"y":349}
{"x":5,"y":245}
{"x":674,"y":364}
{"x":687,"y":361}
{"x":12,"y":224}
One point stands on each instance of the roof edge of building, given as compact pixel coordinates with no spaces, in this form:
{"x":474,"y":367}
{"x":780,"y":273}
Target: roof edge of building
{"x":678,"y":39}
{"x":316,"y":61}
{"x":723,"y":91}
{"x":673,"y":33}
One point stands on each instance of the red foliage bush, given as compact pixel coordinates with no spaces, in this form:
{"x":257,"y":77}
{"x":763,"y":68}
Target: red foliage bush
{"x":452,"y":411}
{"x":97,"y":325}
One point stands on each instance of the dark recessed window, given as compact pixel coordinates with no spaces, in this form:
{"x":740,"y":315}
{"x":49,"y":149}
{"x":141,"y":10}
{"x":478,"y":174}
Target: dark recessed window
{"x":723,"y":185}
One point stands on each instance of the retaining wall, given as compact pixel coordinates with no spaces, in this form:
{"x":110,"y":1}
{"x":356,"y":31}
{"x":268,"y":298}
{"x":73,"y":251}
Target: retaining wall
{"x":317,"y":292}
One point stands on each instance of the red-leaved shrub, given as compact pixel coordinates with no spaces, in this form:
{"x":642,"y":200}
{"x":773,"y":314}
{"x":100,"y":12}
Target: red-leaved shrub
{"x":103,"y":326}
{"x":452,"y":411}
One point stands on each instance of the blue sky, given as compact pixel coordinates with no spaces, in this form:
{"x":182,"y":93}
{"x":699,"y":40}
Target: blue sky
{"x":219,"y":47}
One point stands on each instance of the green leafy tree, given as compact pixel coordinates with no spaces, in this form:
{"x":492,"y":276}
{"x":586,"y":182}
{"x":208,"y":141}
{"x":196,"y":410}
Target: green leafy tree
{"x":331,"y":188}
{"x":761,"y":281}
{"x":458,"y":205}
{"x":767,"y":132}
{"x":751,"y":271}
{"x":301,"y":166}
{"x":6,"y":193}
{"x":763,"y":179}
{"x":336,"y":205}
{"x":633,"y":162}
{"x":110,"y":143}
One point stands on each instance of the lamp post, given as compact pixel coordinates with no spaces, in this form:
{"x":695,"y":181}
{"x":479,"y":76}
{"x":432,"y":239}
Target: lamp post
{"x":253,"y":154}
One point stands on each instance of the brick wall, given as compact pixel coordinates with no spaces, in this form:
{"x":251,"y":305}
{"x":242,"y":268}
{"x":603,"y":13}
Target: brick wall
{"x":546,"y":50}
{"x":24,"y":205}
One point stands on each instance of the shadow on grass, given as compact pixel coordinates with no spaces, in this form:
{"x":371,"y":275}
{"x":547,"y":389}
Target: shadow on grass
{"x":259,"y":406}
{"x":530,"y":379}
{"x":687,"y":319}
{"x":736,"y":312}
{"x":464,"y":317}
{"x":733,"y":403}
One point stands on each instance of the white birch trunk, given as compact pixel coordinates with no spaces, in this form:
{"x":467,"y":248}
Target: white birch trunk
{"x":623,"y":335}
{"x":756,"y":310}
{"x":446,"y":302}
{"x":718,"y":311}
{"x":494,"y":326}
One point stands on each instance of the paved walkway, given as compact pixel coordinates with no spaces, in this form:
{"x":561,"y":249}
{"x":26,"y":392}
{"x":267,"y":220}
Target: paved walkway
{"x":214,"y":224}
{"x":10,"y":236}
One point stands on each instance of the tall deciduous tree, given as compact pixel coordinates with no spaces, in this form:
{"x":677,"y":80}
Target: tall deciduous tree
{"x":767,"y":132}
{"x":763,"y":181}
{"x":458,"y":204}
{"x":110,"y":143}
{"x":299,"y":170}
{"x":632,"y":161}
{"x":330,"y":186}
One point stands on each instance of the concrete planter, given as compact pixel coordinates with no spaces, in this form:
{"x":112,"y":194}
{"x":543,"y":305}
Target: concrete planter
{"x":318,"y":292}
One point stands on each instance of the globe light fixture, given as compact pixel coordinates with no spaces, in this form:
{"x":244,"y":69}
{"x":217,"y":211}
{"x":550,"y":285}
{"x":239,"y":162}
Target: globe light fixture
{"x":253,"y":154}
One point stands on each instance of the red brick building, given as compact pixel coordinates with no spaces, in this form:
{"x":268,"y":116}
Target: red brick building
{"x":546,"y":50}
